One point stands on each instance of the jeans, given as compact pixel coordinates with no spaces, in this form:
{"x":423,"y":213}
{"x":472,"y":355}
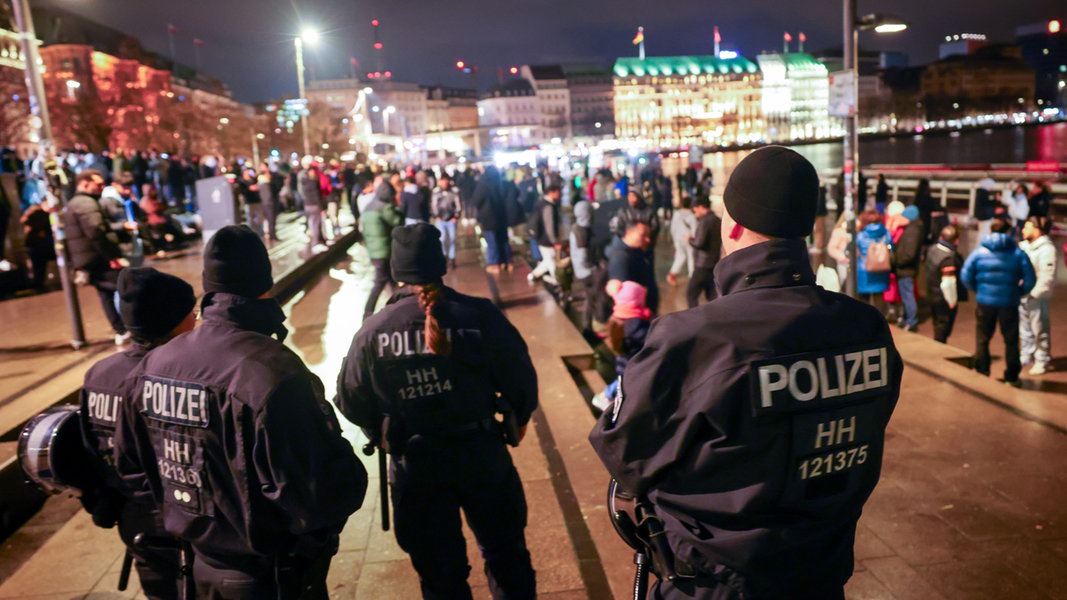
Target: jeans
{"x":535,"y":252}
{"x":702,"y":282}
{"x":987,"y":319}
{"x":943,"y":319}
{"x":448,"y":237}
{"x":1035,"y":330}
{"x":906,"y":285}
{"x":106,"y":285}
{"x":382,"y":276}
{"x":314,"y":222}
{"x":497,"y":248}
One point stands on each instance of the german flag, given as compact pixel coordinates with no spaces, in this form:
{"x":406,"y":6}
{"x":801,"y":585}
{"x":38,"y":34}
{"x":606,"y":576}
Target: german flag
{"x":640,"y":37}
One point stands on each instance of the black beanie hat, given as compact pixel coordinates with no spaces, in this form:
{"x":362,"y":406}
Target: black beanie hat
{"x":236,"y":262}
{"x":151,"y":303}
{"x":417,"y":256}
{"x":774,"y":191}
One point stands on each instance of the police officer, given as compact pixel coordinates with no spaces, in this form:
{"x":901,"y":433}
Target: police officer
{"x":425,"y":376}
{"x":155,"y":307}
{"x":754,"y":424}
{"x":237,"y":441}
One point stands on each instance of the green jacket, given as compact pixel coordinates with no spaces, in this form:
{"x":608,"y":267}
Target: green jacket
{"x":377,"y":224}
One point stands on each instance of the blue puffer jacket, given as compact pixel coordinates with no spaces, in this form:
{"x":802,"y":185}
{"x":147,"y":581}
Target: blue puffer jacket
{"x":871,"y":283}
{"x":998,"y":271}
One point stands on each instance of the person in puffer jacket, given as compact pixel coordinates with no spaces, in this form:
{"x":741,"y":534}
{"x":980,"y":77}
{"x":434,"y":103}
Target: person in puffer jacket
{"x":1000,"y":274}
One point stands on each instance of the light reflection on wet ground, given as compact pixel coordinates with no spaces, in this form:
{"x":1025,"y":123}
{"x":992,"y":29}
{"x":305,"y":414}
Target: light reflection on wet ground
{"x":323,"y":319}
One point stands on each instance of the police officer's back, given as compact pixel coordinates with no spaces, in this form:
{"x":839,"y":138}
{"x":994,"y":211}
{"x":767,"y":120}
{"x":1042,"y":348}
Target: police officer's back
{"x":155,"y":307}
{"x":422,"y":378}
{"x":252,"y":469}
{"x":755,"y":423}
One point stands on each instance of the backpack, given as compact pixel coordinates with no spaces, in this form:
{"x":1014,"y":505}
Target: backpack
{"x":878,"y":258}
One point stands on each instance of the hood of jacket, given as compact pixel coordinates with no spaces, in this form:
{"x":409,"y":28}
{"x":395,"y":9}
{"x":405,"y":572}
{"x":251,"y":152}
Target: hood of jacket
{"x":998,"y":242}
{"x":874,"y":230}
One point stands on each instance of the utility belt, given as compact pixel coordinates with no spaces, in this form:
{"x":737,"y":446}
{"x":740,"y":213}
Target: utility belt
{"x":294,"y":573}
{"x":396,"y":434}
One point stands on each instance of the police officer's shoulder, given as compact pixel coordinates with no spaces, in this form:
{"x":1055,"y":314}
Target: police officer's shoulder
{"x":116,"y":367}
{"x":856,"y":314}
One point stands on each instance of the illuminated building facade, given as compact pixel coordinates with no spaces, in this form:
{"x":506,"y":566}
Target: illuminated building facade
{"x":14,"y":104}
{"x":512,"y":114}
{"x":671,"y":102}
{"x":993,"y":79}
{"x":553,"y":99}
{"x":102,"y":100}
{"x":795,"y":97}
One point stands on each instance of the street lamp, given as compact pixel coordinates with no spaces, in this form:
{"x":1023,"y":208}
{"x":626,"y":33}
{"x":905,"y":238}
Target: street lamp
{"x":851,"y":144}
{"x":312,"y":37}
{"x":46,"y":152}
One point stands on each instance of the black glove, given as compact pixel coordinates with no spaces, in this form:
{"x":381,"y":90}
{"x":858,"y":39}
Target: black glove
{"x":104,"y":504}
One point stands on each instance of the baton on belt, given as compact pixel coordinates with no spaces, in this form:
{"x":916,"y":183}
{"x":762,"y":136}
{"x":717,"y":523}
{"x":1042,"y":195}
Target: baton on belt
{"x":124,"y":574}
{"x":383,"y":477}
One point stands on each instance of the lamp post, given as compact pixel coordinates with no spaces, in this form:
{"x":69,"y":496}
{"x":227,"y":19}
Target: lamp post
{"x":310,"y":36}
{"x":46,"y":152}
{"x":851,"y":144}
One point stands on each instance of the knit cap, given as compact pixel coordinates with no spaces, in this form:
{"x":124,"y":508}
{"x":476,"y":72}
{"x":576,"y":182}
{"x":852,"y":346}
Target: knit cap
{"x":774,"y":191}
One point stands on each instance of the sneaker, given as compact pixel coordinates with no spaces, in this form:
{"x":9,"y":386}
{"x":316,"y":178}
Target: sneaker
{"x":672,"y":279}
{"x":1038,"y":369}
{"x":121,"y":339}
{"x":601,"y":402}
{"x":531,"y":278}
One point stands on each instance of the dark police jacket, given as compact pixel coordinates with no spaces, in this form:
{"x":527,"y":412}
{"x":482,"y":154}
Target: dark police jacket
{"x":390,"y":371}
{"x":755,"y":424}
{"x":108,"y":387}
{"x":231,"y":433}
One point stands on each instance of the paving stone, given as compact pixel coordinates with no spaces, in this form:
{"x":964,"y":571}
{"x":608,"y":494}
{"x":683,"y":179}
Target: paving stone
{"x":345,"y":571}
{"x":865,"y":586}
{"x":388,"y":580}
{"x":974,"y":581}
{"x":901,"y":580}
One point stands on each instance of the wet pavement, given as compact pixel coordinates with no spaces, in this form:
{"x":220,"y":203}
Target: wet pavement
{"x":969,"y":505}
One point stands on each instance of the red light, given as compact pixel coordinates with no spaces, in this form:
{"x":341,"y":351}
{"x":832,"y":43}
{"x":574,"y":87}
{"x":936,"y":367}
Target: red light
{"x":460,"y":64}
{"x":1053,"y":26}
{"x":514,"y":70}
{"x":377,"y":74}
{"x":374,"y":23}
{"x":388,"y":74}
{"x":377,"y":45}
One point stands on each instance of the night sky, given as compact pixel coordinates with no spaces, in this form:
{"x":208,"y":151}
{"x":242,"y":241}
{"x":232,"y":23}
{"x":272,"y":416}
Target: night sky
{"x":248,"y":43}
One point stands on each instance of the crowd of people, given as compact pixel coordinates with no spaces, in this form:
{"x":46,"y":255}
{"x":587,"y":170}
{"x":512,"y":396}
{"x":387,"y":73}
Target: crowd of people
{"x":252,"y":480}
{"x":1011,"y":271}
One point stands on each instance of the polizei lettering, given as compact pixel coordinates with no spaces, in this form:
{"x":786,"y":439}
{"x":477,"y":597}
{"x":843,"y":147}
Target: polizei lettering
{"x":103,"y":407}
{"x":179,"y":402}
{"x":816,"y":381}
{"x":398,"y":344}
